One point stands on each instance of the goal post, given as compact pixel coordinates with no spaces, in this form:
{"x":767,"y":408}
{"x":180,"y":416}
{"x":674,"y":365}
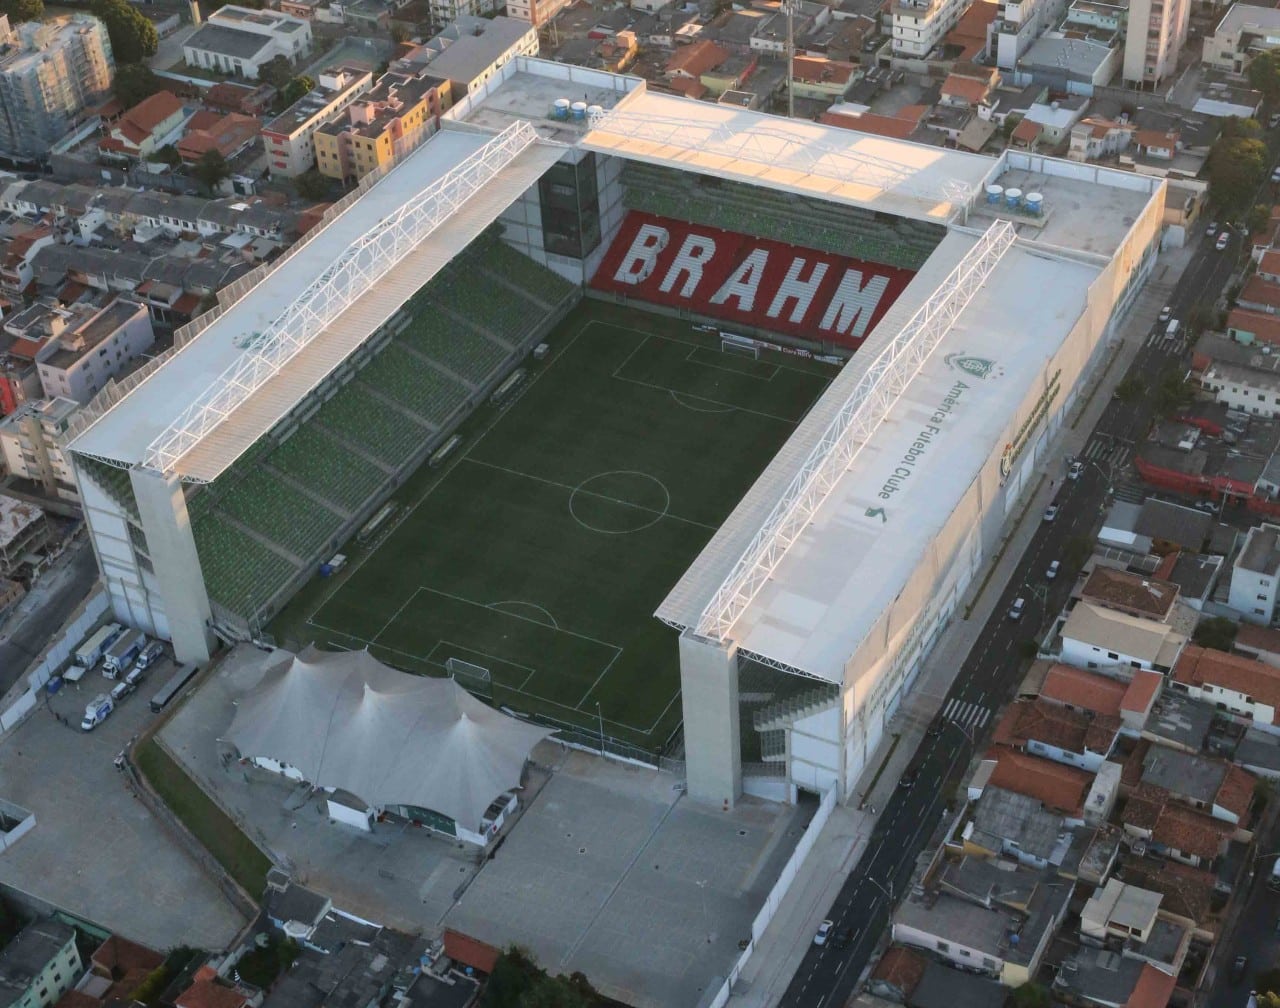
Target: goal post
{"x":728,"y":346}
{"x":474,"y":678}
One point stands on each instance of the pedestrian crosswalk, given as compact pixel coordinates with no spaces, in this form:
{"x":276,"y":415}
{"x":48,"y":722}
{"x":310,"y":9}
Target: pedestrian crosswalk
{"x":1171,"y":346}
{"x":967,"y":715}
{"x":1133,"y":493}
{"x":1106,"y":452}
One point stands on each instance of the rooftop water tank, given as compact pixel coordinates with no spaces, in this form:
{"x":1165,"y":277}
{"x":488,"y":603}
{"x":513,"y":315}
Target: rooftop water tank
{"x":1034,"y":203}
{"x":560,"y":109}
{"x":579,"y":109}
{"x":594,"y":112}
{"x":994,"y":193}
{"x":1013,"y":198}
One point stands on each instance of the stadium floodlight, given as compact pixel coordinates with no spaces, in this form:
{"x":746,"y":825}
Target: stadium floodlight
{"x":883,"y":382}
{"x":364,"y":262}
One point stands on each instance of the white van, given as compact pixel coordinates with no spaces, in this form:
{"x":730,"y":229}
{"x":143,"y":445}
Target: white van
{"x":1171,"y":330}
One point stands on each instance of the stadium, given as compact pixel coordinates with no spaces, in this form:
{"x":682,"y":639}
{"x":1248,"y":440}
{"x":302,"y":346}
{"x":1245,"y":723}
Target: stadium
{"x":610,"y":355}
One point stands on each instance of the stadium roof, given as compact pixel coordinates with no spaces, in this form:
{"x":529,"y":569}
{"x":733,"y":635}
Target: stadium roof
{"x":347,"y":721}
{"x":894,"y":176}
{"x":163,"y":402}
{"x":850,"y":563}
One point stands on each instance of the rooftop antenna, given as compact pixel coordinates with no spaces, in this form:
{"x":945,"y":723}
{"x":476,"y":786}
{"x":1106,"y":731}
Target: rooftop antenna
{"x":789,"y":8}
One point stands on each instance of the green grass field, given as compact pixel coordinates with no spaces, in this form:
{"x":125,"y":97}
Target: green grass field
{"x":542,"y":549}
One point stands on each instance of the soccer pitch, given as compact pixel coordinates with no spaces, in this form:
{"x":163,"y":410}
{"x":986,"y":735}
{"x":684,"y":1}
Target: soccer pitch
{"x":541,"y":549}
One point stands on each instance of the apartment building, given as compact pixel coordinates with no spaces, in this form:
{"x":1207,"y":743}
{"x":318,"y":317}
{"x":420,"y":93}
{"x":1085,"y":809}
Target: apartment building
{"x":50,"y":74}
{"x":379,"y":126}
{"x":30,"y":448}
{"x":536,"y":12}
{"x":919,"y":25}
{"x":1020,"y":23}
{"x":1255,"y":576}
{"x":1156,"y":34}
{"x":471,"y":50}
{"x":1243,"y":31}
{"x":92,"y":345}
{"x":446,"y":12}
{"x":289,"y":138}
{"x":237,"y":40}
{"x":42,"y":962}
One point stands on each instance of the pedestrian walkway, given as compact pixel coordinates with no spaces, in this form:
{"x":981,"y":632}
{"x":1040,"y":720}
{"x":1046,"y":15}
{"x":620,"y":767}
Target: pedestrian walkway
{"x":842,"y":841}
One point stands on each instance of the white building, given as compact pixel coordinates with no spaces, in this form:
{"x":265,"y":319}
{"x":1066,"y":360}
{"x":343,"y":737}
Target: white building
{"x":289,"y":138}
{"x":1238,"y":387}
{"x":39,"y":965}
{"x":237,"y":40}
{"x":1255,"y":575}
{"x":919,"y":25}
{"x":1020,"y":23}
{"x":1244,"y":30}
{"x":1156,"y":34}
{"x":30,"y":445}
{"x":81,"y":358}
{"x":471,"y":50}
{"x":536,"y":12}
{"x":926,"y":459}
{"x":1244,"y":688}
{"x":1097,"y":638}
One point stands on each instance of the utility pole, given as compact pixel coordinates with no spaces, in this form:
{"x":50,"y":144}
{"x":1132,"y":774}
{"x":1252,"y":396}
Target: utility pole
{"x":790,"y":7}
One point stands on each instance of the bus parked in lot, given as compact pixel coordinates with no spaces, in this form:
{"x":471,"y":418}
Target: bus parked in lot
{"x":169,"y":690}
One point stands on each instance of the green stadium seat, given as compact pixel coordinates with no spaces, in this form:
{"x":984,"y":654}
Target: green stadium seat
{"x":330,"y":468}
{"x":277,"y":511}
{"x":242,"y":575}
{"x":363,"y":419}
{"x":416,"y":385}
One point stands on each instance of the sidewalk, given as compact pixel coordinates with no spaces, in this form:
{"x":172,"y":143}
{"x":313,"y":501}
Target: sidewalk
{"x":842,"y":841}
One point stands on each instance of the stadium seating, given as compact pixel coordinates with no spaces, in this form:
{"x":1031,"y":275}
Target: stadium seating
{"x":362,"y":418}
{"x":459,"y":348}
{"x":780,"y":216}
{"x":241,"y":573}
{"x":331,"y":469}
{"x":274,"y":509}
{"x":413,"y":383}
{"x":539,"y":283}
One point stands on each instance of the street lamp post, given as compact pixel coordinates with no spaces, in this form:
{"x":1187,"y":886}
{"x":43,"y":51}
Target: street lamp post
{"x":963,"y":731}
{"x":888,"y":892}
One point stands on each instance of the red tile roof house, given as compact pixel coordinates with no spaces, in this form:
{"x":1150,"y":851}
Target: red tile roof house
{"x":1054,"y":732}
{"x":207,"y":991}
{"x":143,"y":129}
{"x":1058,"y":787}
{"x":1243,"y":687}
{"x":1175,"y":830}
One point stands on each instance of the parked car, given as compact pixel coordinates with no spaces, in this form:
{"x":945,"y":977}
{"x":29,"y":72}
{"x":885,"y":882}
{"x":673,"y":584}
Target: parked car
{"x":1212,"y":229}
{"x":1076,"y":470}
{"x":843,"y":938}
{"x":1051,"y":512}
{"x":1275,"y":174}
{"x":1052,"y":572}
{"x":824,"y":930}
{"x":908,"y":780}
{"x":1166,"y":313}
{"x":1016,"y":610}
{"x":96,"y":712}
{"x":121,"y":690}
{"x":1223,"y":240}
{"x":1239,"y":966}
{"x":1210,"y":507}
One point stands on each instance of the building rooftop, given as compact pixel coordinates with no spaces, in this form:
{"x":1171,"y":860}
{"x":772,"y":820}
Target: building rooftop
{"x":1130,"y":593}
{"x":1083,"y":690}
{"x":1125,"y":907}
{"x":1248,"y":17}
{"x":1178,"y":719}
{"x":315,"y":101}
{"x":943,"y":987}
{"x":234,"y":43}
{"x":1055,"y":725}
{"x":469,"y":46}
{"x":1005,"y":815}
{"x":1100,"y":976}
{"x":1055,"y":785}
{"x":22,"y":960}
{"x":1143,"y":639}
{"x":1079,"y":58}
{"x":1199,"y":666}
{"x":15,"y":518}
{"x":1261,"y":553}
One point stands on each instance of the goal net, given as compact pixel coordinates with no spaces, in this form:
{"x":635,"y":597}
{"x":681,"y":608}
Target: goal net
{"x":740,"y":349}
{"x":473,"y":678}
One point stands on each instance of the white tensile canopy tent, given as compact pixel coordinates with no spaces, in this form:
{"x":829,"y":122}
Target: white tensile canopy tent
{"x":345,"y":720}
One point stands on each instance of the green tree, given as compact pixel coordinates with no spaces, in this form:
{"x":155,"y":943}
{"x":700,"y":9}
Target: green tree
{"x":168,"y":154}
{"x":1246,"y":128}
{"x":1237,"y":166}
{"x":1264,"y":74}
{"x":295,"y":89}
{"x":513,"y":974}
{"x":1172,"y":394}
{"x":19,"y":11}
{"x":1131,"y":389}
{"x":277,"y":72}
{"x":400,"y":32}
{"x":1259,"y":217}
{"x":211,"y":169}
{"x":135,"y":82}
{"x":133,"y":37}
{"x":1216,"y":632}
{"x":556,"y":992}
{"x":312,"y":185}
{"x":1031,"y":995}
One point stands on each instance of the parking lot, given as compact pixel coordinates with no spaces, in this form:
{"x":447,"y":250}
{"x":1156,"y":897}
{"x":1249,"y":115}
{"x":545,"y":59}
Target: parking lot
{"x":96,"y":849}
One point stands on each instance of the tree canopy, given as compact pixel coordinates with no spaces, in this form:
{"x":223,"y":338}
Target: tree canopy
{"x":19,"y":11}
{"x":277,"y":72}
{"x":1216,"y":632}
{"x":1237,"y":167}
{"x":295,"y":89}
{"x":135,"y":82}
{"x":1264,"y":74}
{"x":211,"y":169}
{"x":518,"y":982}
{"x":133,"y":37}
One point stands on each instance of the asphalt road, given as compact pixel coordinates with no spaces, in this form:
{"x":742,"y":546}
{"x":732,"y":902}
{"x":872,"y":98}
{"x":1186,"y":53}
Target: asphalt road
{"x":828,"y":973}
{"x":1257,"y":936}
{"x":26,"y":637}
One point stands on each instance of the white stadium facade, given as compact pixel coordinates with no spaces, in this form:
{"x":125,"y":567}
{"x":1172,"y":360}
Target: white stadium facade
{"x":847,"y":557}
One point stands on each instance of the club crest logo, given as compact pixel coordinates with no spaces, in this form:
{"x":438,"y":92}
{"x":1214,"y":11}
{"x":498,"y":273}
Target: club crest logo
{"x":977,"y":367}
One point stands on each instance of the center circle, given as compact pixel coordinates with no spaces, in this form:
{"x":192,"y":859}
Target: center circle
{"x":619,"y":501}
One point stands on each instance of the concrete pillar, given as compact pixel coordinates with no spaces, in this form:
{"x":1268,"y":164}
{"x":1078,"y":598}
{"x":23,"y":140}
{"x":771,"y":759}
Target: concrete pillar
{"x":163,"y":511}
{"x":712,"y":745}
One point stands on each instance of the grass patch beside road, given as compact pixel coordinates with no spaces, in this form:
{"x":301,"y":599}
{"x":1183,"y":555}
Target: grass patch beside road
{"x":211,"y":826}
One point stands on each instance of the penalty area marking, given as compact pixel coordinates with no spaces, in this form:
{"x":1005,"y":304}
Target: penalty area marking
{"x":680,"y":397}
{"x":692,"y":358}
{"x":551,"y":620}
